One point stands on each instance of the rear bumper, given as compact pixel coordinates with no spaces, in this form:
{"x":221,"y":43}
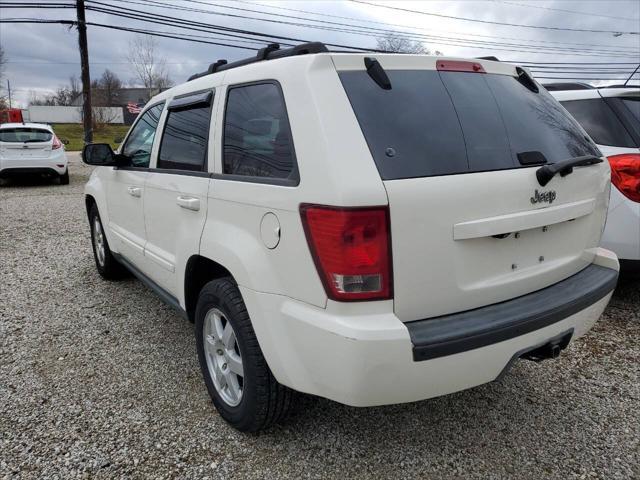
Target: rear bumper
{"x":19,"y":171}
{"x":460,"y":332}
{"x":368,"y":357}
{"x":55,"y":164}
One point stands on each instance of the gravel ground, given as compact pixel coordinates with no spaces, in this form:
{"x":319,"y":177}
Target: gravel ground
{"x":100,"y":379}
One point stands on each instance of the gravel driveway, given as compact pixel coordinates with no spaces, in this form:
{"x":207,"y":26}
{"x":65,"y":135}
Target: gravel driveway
{"x":100,"y":379}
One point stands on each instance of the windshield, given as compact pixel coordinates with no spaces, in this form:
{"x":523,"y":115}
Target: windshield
{"x":441,"y":123}
{"x":24,"y":134}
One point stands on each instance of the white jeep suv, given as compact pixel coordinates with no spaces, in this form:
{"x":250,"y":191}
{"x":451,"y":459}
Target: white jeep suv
{"x":372,"y":229}
{"x":611,"y":117}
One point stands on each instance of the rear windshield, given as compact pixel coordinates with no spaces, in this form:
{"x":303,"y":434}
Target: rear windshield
{"x":600,"y":122}
{"x":440,"y":123}
{"x":24,"y":135}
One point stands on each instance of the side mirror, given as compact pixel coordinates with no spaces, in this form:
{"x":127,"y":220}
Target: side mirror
{"x":118,"y":140}
{"x":101,"y":155}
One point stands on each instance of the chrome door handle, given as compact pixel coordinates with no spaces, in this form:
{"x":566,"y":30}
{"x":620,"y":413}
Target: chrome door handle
{"x":135,"y":191}
{"x":190,"y":203}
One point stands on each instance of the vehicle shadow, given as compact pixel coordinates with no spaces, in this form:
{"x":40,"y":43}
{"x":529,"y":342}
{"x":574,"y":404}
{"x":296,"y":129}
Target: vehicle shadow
{"x":23,"y":181}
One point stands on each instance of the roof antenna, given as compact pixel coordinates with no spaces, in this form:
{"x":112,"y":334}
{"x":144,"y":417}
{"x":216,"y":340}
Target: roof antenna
{"x":377,"y":73}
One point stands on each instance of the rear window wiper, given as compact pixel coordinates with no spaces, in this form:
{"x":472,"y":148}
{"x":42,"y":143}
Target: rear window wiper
{"x":545,"y":173}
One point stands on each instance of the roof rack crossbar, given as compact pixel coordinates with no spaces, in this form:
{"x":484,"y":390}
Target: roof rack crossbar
{"x":270,"y":52}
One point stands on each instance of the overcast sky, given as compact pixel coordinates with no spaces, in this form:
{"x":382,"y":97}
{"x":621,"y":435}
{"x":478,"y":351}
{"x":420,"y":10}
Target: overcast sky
{"x":42,"y":57}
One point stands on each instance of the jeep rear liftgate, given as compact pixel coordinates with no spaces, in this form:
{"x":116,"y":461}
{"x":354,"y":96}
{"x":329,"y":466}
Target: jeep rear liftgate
{"x":471,"y":223}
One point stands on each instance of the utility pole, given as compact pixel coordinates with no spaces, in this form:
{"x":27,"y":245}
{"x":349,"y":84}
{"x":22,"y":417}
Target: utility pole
{"x":9,"y":88}
{"x":84,"y":73}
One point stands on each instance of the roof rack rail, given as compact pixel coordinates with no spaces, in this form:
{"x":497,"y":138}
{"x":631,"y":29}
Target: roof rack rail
{"x":567,"y":86}
{"x":620,"y":86}
{"x":490,"y":57}
{"x":270,"y":52}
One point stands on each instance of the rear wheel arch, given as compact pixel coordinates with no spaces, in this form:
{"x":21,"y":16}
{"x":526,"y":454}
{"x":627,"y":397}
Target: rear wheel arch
{"x":198,"y":272}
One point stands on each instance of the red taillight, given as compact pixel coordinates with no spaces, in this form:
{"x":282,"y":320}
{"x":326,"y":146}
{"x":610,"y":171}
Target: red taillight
{"x":625,"y":174}
{"x":459,"y":66}
{"x":351,"y":248}
{"x":56,"y":143}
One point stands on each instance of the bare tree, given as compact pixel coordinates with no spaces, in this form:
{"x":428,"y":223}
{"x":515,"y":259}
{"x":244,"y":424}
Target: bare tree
{"x":396,"y":43}
{"x":41,"y":99}
{"x":74,"y":87}
{"x":63,"y":96}
{"x":110,"y":85}
{"x":149,"y":67}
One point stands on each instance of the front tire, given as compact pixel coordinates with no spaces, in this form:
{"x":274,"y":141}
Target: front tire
{"x":239,"y":381}
{"x":108,"y":267}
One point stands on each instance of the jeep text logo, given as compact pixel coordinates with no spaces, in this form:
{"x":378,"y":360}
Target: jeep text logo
{"x":539,"y":197}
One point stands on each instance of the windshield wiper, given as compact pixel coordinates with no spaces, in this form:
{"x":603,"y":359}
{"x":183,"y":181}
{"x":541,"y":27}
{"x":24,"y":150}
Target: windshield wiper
{"x":565,"y":167}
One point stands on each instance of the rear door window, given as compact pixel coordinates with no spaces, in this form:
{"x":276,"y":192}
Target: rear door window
{"x":26,"y":135}
{"x":600,"y":122}
{"x":186,"y":134}
{"x":438,"y":123}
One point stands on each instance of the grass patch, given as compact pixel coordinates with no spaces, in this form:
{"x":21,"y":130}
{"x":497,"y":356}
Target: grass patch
{"x":74,"y":133}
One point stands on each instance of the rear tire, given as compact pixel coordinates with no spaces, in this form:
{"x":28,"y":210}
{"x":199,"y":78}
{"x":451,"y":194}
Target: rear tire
{"x":64,"y":178}
{"x":108,"y":267}
{"x":252,"y":400}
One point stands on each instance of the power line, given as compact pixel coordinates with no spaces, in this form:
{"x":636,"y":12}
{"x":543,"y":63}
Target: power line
{"x":180,"y":23}
{"x":599,"y":15}
{"x":156,"y":18}
{"x":543,"y":27}
{"x":402,"y":26}
{"x":370,"y":31}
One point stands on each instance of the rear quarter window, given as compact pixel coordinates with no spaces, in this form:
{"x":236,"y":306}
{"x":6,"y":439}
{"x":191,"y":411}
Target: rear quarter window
{"x":600,"y":122}
{"x":257,"y":139}
{"x":439,"y":123}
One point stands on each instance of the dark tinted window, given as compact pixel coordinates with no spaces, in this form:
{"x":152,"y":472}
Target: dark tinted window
{"x":537,"y":122}
{"x":185,"y":138}
{"x":257,"y":137}
{"x":412,"y":130}
{"x":600,"y":122}
{"x":630,"y":114}
{"x":633,"y":105}
{"x":436,"y":123}
{"x":140,"y":141}
{"x":28,"y":135}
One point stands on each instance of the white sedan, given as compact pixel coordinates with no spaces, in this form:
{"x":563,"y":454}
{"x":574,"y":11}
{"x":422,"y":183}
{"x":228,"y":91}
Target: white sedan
{"x":32,"y":149}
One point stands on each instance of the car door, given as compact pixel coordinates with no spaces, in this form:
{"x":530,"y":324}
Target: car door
{"x":125,"y":188}
{"x":175,"y":206}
